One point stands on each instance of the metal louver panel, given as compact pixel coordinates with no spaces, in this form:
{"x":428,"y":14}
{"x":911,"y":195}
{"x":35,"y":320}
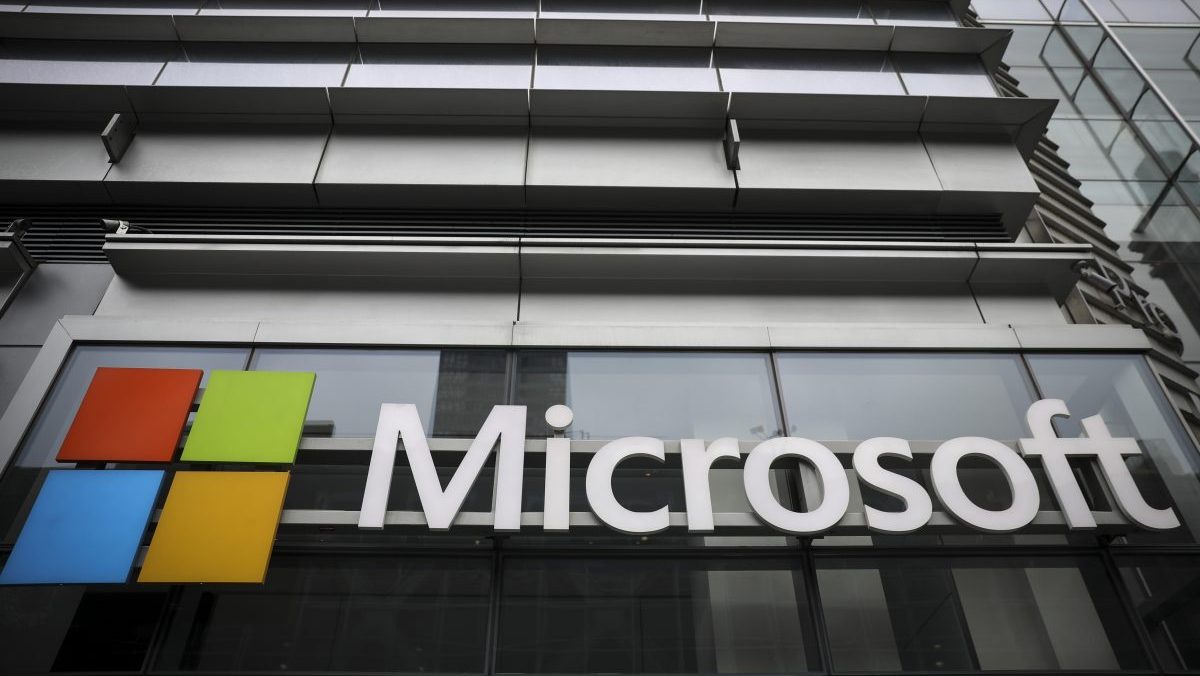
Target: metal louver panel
{"x":73,"y":235}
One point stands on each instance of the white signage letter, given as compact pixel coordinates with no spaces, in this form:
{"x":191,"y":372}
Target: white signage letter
{"x":696,"y":461}
{"x":599,"y":486}
{"x":1046,"y":445}
{"x":556,"y":511}
{"x":835,"y":487}
{"x":1111,"y":453}
{"x":917,"y":505}
{"x":1025,"y":498}
{"x":401,"y":421}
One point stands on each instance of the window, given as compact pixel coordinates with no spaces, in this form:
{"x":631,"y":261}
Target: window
{"x":653,"y":615}
{"x":854,"y":397}
{"x":967,"y":614}
{"x":338,"y":613}
{"x":1122,"y":390}
{"x":665,"y":395}
{"x":1163,"y":591}
{"x":453,"y":390}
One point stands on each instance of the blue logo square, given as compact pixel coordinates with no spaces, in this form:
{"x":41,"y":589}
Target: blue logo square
{"x":85,"y":527}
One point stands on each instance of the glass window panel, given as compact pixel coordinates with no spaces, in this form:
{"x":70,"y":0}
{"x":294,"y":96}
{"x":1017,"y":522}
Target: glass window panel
{"x":777,"y":70}
{"x":1182,"y":89}
{"x":435,"y":66}
{"x":1155,"y":11}
{"x":913,"y":12}
{"x":1121,"y":204}
{"x":75,"y":628}
{"x":1027,"y":43}
{"x":1158,"y":47}
{"x":1103,"y":150}
{"x":648,"y":615}
{"x":337,"y":614}
{"x":966,"y":614}
{"x":1001,"y":10}
{"x":453,"y":390}
{"x":664,"y":395}
{"x":1117,"y":73}
{"x":943,"y":75}
{"x":80,"y":62}
{"x":1170,"y":274}
{"x":1164,"y":591}
{"x":851,"y":397}
{"x":1173,"y":221}
{"x":1122,"y":390}
{"x":277,"y":65}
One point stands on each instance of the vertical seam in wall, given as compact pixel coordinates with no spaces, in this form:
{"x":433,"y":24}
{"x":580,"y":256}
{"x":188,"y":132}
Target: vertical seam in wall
{"x":971,"y":287}
{"x":321,"y":159}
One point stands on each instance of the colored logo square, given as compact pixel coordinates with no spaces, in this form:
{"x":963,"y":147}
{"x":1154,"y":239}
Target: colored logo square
{"x":131,"y":415}
{"x":250,"y":416}
{"x":85,"y":527}
{"x":216,"y":527}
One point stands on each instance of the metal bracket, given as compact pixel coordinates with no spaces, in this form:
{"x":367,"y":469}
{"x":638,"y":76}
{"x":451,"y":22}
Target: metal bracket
{"x":733,"y":143}
{"x":118,"y":134}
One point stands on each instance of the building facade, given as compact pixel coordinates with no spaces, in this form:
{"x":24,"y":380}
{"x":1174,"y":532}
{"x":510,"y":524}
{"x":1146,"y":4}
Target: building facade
{"x":575,"y":337}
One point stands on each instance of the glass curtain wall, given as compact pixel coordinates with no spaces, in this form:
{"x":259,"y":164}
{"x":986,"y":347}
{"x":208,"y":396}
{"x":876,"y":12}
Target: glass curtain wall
{"x":344,"y":600}
{"x":1128,"y":122}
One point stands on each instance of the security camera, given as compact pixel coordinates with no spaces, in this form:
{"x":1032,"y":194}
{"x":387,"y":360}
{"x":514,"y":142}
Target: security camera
{"x":19,"y":227}
{"x":118,"y":227}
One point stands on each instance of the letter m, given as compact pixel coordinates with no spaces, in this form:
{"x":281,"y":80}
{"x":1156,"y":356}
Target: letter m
{"x":400,"y":422}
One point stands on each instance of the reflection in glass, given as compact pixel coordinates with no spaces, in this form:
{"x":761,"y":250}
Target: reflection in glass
{"x":923,"y":615}
{"x":338,"y":613}
{"x":453,"y":390}
{"x":647,"y":616}
{"x":852,"y":397}
{"x":1122,"y":390}
{"x":664,"y":395}
{"x":1166,"y":597}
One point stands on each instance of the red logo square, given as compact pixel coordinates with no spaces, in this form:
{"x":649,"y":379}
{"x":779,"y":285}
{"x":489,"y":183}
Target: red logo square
{"x":131,"y":415}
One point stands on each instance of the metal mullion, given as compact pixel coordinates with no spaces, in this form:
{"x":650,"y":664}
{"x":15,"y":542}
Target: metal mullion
{"x":816,"y":609}
{"x":1139,"y":629}
{"x":491,"y":641}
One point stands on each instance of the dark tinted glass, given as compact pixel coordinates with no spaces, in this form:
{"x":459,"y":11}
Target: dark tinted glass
{"x":453,"y":390}
{"x":645,"y":616}
{"x":1166,"y":594}
{"x":338,"y":613}
{"x":968,"y":614}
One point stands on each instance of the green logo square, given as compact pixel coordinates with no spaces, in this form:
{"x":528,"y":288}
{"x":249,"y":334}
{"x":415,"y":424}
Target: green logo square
{"x":250,"y":416}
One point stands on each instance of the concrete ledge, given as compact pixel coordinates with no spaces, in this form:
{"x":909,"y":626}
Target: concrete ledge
{"x":1082,"y":337}
{"x":382,"y":333}
{"x":608,"y":335}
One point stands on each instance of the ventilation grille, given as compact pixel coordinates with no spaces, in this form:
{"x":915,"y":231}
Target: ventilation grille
{"x":61,"y":235}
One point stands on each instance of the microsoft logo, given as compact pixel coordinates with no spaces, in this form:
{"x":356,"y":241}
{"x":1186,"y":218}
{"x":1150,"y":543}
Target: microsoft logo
{"x":86,"y":525}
